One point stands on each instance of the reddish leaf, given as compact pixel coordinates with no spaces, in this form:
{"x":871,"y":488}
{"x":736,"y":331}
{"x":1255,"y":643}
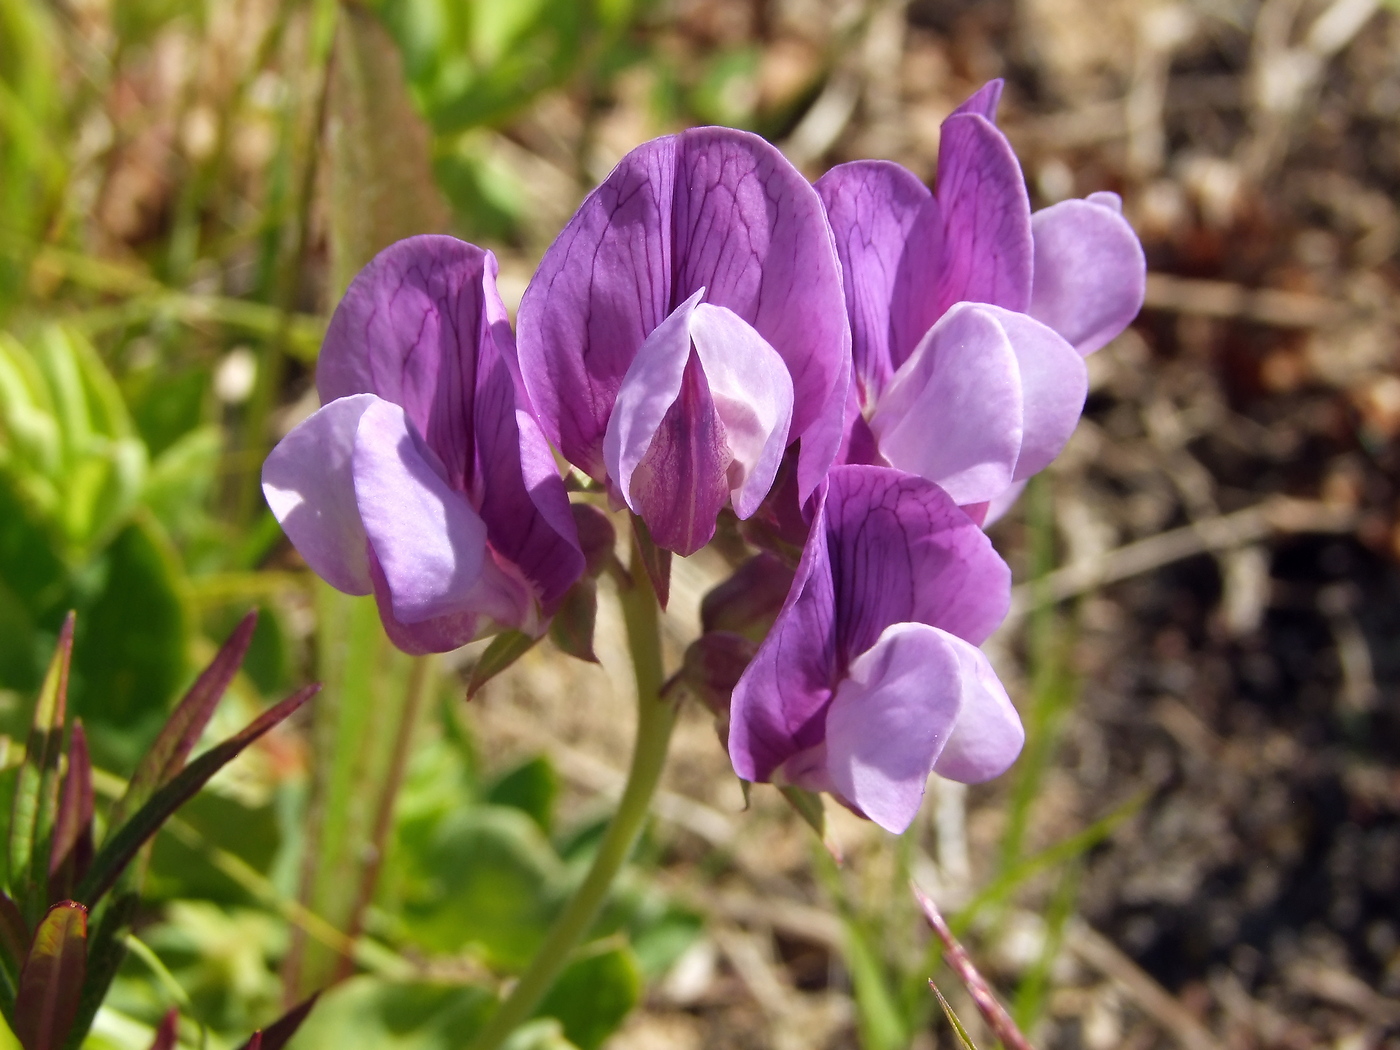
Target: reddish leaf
{"x":52,"y":980}
{"x":182,"y":730}
{"x":572,"y":626}
{"x":998,"y":1020}
{"x":123,"y":844}
{"x":14,"y":945}
{"x":36,"y":788}
{"x":596,"y":538}
{"x":168,"y":1031}
{"x":71,"y":852}
{"x":279,"y":1033}
{"x":504,"y":650}
{"x":656,"y":561}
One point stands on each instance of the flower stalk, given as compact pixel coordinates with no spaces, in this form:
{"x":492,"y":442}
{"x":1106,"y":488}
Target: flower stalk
{"x":656,"y":718}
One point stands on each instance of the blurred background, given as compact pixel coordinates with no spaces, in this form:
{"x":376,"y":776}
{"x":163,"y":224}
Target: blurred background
{"x":1201,"y":844}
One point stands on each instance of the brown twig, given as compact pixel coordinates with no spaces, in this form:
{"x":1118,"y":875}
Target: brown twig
{"x":1000,"y":1022}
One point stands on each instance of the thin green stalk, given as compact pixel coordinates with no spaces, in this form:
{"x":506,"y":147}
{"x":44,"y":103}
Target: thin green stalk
{"x":656,"y":717}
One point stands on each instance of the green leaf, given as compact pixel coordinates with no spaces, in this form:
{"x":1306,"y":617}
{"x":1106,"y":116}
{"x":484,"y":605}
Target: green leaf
{"x":166,"y":756}
{"x":572,"y":627}
{"x":593,"y":996}
{"x":14,"y":946}
{"x":131,"y":641}
{"x":531,"y":788}
{"x":36,"y":789}
{"x":506,"y":648}
{"x":122,"y":845}
{"x":381,"y":184}
{"x":656,"y":560}
{"x":110,"y":922}
{"x":486,"y":878}
{"x":52,"y":980}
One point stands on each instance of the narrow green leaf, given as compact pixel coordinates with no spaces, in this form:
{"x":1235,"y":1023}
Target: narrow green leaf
{"x":36,"y":789}
{"x":812,"y":808}
{"x":14,"y":946}
{"x":953,"y":1020}
{"x":506,"y":648}
{"x":182,"y":730}
{"x":124,"y":843}
{"x":380,"y":173}
{"x":52,"y":980}
{"x":71,"y":851}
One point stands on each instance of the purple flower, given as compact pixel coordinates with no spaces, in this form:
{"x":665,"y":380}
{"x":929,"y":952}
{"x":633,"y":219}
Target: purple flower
{"x":425,"y":478}
{"x":969,"y":315}
{"x":686,"y":327}
{"x":870,"y":678}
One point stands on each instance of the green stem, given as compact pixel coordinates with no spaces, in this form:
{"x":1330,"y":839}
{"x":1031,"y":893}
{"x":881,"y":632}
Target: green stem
{"x":655,"y":719}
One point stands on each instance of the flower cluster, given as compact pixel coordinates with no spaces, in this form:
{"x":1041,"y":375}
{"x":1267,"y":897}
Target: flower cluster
{"x":863,"y":370}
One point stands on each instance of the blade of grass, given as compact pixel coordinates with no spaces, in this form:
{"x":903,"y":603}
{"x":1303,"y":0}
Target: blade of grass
{"x":958,"y":1029}
{"x":1034,"y":989}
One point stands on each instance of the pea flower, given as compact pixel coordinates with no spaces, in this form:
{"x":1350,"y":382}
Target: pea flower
{"x":871,"y":678}
{"x":968,"y":310}
{"x":686,"y":327}
{"x":425,"y":478}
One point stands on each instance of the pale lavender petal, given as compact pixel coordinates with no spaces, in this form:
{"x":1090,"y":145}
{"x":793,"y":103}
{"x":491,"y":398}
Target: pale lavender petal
{"x":972,"y":241}
{"x":953,"y":412}
{"x":776,"y":708}
{"x":752,"y":393}
{"x":871,"y":205}
{"x":748,"y":227}
{"x":427,"y":538}
{"x":601,"y":288}
{"x":1054,"y":384}
{"x":901,"y":551}
{"x":984,"y":100}
{"x":1090,"y":271}
{"x":650,"y":388}
{"x":679,"y":486}
{"x":890,"y":719}
{"x":408,"y":330}
{"x":309,"y":483}
{"x":988,"y":734}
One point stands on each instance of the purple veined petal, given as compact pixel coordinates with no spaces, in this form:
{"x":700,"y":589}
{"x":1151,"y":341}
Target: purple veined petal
{"x":752,"y":393}
{"x":1054,"y":384}
{"x":749,"y":228}
{"x":871,"y":205}
{"x":972,"y":241}
{"x":408,"y":330}
{"x":680,"y":485}
{"x":827,"y":439}
{"x":997,"y":508}
{"x":984,"y":100}
{"x":776,"y":709}
{"x":308,"y":481}
{"x":988,"y":734}
{"x":650,"y":388}
{"x":953,"y":413}
{"x":601,"y":288}
{"x":427,"y":539}
{"x":890,"y":719}
{"x":901,"y":551}
{"x":516,"y":485}
{"x":1090,"y":271}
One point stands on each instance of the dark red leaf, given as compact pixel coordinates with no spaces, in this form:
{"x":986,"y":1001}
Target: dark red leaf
{"x":279,"y":1033}
{"x":71,"y":852}
{"x":182,"y":730}
{"x":168,"y":1031}
{"x":123,"y":844}
{"x":52,"y":979}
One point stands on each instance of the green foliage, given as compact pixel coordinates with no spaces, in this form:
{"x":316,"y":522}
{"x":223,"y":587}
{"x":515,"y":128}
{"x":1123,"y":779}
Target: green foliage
{"x":591,"y":997}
